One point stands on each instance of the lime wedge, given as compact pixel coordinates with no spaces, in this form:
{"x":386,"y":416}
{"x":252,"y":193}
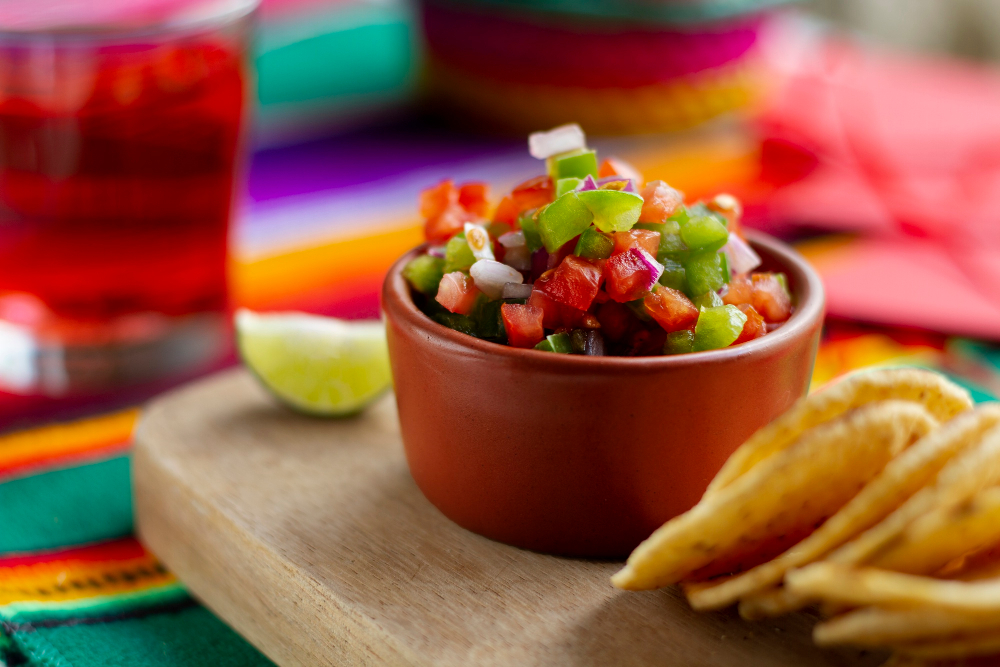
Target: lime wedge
{"x":318,"y":365}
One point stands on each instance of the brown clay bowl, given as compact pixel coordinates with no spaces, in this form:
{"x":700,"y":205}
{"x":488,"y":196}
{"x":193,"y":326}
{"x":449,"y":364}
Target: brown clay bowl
{"x":585,"y":456}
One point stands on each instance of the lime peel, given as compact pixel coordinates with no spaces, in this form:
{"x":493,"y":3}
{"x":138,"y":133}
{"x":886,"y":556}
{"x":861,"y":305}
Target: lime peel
{"x":317,"y":365}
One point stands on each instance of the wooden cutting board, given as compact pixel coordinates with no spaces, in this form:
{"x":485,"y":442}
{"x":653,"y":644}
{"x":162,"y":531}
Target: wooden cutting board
{"x":310,"y":538}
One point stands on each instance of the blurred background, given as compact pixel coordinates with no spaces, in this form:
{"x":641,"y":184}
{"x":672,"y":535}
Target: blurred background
{"x":163,"y":162}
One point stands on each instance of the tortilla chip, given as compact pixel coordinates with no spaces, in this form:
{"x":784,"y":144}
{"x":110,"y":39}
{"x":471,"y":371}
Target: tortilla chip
{"x":783,"y":496}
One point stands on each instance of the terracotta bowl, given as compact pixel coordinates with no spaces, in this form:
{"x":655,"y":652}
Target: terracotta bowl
{"x":585,"y":456}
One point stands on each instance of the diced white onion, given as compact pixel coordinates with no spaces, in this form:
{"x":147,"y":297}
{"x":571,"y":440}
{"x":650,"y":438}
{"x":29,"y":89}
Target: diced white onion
{"x":479,"y":241}
{"x":557,"y":140}
{"x":516,"y":291}
{"x":512,"y":239}
{"x":742,"y":258}
{"x":518,"y":257}
{"x":491,"y":276}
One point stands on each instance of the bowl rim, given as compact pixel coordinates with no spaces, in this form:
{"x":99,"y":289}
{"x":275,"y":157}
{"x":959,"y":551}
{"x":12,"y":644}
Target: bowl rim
{"x":397,"y":303}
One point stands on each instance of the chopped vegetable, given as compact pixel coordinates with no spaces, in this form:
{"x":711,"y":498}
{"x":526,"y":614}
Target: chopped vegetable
{"x":679,"y":342}
{"x":573,"y":164}
{"x":490,"y":277}
{"x":771,"y":298}
{"x":575,"y":282}
{"x":424,"y":272}
{"x":562,"y":220}
{"x":670,"y":308}
{"x":458,"y":255}
{"x":637,"y":238}
{"x":660,"y":201}
{"x":523,"y":324}
{"x":564,"y":185}
{"x":718,"y":327}
{"x":479,"y":241}
{"x":703,"y":271}
{"x":613,"y":210}
{"x":457,"y":293}
{"x":559,"y":342}
{"x":594,"y":244}
{"x":557,"y":140}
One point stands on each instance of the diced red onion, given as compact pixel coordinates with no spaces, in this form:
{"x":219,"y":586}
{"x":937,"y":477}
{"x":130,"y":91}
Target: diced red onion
{"x":518,"y":257}
{"x":479,"y":241}
{"x":557,"y":140}
{"x":594,"y":344}
{"x":436,"y":251}
{"x":491,"y":276}
{"x":630,"y":187}
{"x":515,"y":291}
{"x":742,"y":258}
{"x":512,"y":239}
{"x":655,"y":268}
{"x":588,"y":184}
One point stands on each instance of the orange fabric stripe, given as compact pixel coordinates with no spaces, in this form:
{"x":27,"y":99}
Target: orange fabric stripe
{"x":48,"y":443}
{"x":266,"y":283}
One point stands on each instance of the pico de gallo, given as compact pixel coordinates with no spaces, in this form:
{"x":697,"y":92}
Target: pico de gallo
{"x":588,"y":259}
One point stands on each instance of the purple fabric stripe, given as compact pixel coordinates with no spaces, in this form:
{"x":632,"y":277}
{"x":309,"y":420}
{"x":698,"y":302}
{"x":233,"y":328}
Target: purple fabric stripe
{"x":363,"y":157}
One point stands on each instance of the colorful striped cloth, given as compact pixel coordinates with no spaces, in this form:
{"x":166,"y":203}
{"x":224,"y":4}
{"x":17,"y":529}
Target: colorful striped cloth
{"x":322,"y":224}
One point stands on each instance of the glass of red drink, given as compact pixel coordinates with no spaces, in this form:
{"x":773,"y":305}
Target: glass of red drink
{"x":121,"y":132}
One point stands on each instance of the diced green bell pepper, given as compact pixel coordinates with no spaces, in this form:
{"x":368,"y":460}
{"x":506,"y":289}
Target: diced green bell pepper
{"x":457,"y":322}
{"x":614,"y":210}
{"x":704,"y":273}
{"x":679,"y":342}
{"x":718,"y":327}
{"x":424,"y":273}
{"x":783,"y":281}
{"x":673,"y":275}
{"x":573,"y":164}
{"x":724,"y":261}
{"x":707,"y":300}
{"x":704,"y":233}
{"x":672,"y":247}
{"x":594,"y":245}
{"x":560,"y":342}
{"x":639,"y":308}
{"x":488,"y":321}
{"x":562,"y":220}
{"x":529,"y":225}
{"x":564,"y":185}
{"x":457,"y":254}
{"x":680,"y":216}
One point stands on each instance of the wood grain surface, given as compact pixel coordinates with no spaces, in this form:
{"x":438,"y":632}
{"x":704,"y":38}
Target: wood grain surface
{"x":310,"y":538}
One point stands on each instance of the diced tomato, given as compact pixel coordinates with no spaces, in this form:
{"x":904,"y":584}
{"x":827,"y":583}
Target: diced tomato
{"x":645,"y":341}
{"x":523,"y":324}
{"x":507,"y":212}
{"x":533,"y":193}
{"x":436,"y":200}
{"x":555,"y":315}
{"x":740,"y":291}
{"x":770,"y":298}
{"x":602,"y":296}
{"x":660,"y":201}
{"x":457,"y":292}
{"x":441,"y":227}
{"x":754,"y":327}
{"x":575,"y":282}
{"x":646,"y":239}
{"x":474,"y":198}
{"x":626,"y":277}
{"x":616,"y":320}
{"x":615,"y":167}
{"x":671,"y":308}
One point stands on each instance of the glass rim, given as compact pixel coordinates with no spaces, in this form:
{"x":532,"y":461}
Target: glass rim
{"x":223,"y":12}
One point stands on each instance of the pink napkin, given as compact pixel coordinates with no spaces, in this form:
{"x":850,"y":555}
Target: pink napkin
{"x":905,"y":152}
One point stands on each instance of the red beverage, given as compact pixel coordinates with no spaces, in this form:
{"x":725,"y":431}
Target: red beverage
{"x":118,"y":157}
